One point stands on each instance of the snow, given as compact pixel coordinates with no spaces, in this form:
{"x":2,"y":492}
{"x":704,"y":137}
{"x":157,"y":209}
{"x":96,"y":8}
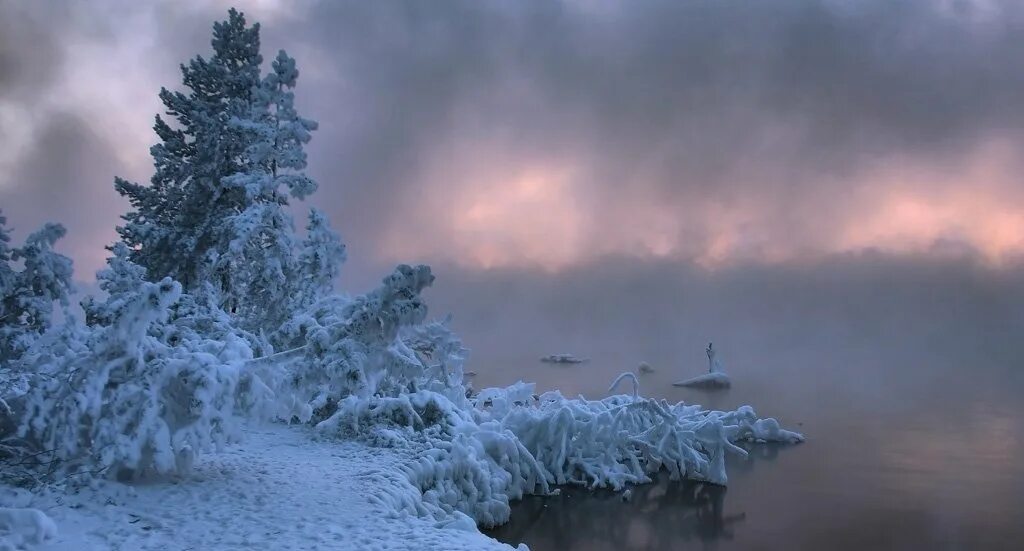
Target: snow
{"x":562,"y":359}
{"x":281,"y":489}
{"x":715,"y":378}
{"x":709,"y":380}
{"x":622,"y":377}
{"x":624,"y":439}
{"x":22,"y":526}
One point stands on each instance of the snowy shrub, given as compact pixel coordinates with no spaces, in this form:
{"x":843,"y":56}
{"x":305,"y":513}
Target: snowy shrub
{"x":510,"y":442}
{"x":126,"y":402}
{"x":624,"y":439}
{"x":33,"y":278}
{"x":352,"y":349}
{"x":443,"y":355}
{"x":320,"y":259}
{"x":459,"y":465}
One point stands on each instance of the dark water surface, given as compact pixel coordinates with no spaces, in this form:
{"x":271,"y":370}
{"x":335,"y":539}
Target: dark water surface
{"x":897,"y":463}
{"x":913,"y":408}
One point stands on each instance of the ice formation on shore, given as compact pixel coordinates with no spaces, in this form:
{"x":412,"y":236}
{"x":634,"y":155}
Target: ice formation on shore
{"x":473,"y":456}
{"x":714,"y":378}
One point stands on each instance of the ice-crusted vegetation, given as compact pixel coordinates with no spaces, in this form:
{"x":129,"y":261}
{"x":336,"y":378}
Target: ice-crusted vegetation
{"x":478,"y":454}
{"x":716,"y":377}
{"x":213,"y":311}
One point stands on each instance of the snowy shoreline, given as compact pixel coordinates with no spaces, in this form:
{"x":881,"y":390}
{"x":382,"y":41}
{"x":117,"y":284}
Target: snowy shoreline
{"x":299,"y":487}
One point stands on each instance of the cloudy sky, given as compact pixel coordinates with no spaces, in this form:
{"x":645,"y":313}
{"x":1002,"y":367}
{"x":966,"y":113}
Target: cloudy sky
{"x":546,"y":136}
{"x":830,"y":190}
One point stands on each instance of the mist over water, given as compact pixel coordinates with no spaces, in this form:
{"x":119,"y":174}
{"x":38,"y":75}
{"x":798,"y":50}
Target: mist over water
{"x":904,"y":374}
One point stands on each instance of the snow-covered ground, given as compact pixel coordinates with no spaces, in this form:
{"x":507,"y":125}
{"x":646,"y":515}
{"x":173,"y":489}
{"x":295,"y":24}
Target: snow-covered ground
{"x":280,"y":489}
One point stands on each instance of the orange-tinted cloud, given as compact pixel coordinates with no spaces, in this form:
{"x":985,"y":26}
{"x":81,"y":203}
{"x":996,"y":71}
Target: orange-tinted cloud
{"x":499,"y":213}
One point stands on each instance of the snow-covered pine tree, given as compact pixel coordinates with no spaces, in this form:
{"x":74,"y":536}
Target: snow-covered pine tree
{"x":170,"y":229}
{"x":320,"y":259}
{"x":121,"y":277}
{"x":215,"y":215}
{"x":7,"y":273}
{"x":260,"y":240}
{"x":27,"y":297}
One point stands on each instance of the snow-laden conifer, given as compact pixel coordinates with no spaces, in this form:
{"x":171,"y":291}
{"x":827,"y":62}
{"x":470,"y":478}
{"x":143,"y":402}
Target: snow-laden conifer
{"x":320,"y":259}
{"x":215,"y":216}
{"x":33,"y":279}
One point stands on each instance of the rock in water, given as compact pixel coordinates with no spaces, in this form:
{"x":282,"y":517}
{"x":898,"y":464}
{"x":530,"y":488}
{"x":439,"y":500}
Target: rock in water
{"x":562,"y":359}
{"x":715,"y":378}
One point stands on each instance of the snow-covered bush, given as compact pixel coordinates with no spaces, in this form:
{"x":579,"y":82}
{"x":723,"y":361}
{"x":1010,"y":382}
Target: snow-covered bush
{"x":352,"y":348}
{"x":33,"y":279}
{"x":460,"y":464}
{"x":443,"y":355}
{"x":320,"y":259}
{"x":624,"y":439}
{"x":124,"y":401}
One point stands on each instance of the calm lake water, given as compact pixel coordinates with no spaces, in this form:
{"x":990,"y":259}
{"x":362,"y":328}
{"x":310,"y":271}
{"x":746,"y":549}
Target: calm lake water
{"x":913,"y":412}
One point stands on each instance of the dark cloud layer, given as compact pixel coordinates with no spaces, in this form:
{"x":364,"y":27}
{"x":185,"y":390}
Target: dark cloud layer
{"x":700,"y":129}
{"x":59,"y":179}
{"x":784,"y":108}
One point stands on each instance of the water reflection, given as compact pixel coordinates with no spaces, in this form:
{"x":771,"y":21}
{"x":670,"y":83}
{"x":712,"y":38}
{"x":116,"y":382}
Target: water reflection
{"x":756,"y":453}
{"x":662,"y":515}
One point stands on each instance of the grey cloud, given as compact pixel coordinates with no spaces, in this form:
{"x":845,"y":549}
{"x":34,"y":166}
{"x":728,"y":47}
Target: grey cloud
{"x":783,"y":104}
{"x":690,"y":102}
{"x":702,"y":78}
{"x":65,"y":177}
{"x":29,"y":54}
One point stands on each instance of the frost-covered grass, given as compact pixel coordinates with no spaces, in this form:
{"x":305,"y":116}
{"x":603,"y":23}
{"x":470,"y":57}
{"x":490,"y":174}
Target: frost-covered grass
{"x":128,"y":426}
